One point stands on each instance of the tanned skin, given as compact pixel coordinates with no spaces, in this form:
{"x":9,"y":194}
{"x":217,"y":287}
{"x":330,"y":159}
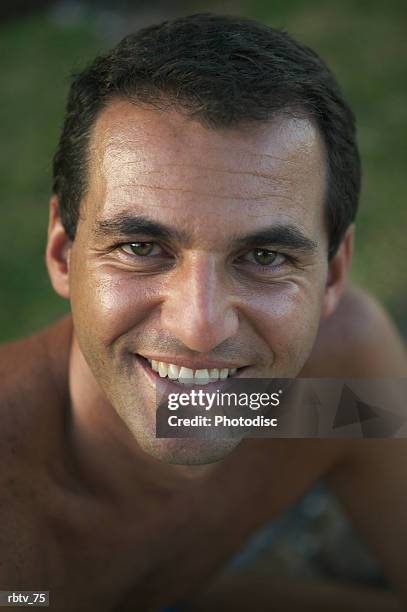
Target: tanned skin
{"x":92,"y":507}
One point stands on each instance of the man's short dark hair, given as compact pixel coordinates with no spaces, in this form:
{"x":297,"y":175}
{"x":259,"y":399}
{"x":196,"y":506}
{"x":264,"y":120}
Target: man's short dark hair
{"x":225,"y":72}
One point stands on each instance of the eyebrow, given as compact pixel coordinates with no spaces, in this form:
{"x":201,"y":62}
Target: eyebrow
{"x":132,"y":225}
{"x":287,"y":235}
{"x":125,"y":225}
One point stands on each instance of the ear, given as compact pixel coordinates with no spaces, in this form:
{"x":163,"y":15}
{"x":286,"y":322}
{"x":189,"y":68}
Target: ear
{"x":58,"y":251}
{"x":338,"y":273}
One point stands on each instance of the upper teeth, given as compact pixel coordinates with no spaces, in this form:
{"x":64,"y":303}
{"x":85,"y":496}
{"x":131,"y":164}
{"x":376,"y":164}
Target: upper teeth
{"x":186,"y":375}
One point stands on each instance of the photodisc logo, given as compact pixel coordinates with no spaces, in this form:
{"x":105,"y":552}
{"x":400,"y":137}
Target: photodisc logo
{"x":285,"y":408}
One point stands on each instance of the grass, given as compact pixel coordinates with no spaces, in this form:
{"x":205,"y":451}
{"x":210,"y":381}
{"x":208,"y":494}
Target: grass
{"x":363,"y":42}
{"x":37,"y":58}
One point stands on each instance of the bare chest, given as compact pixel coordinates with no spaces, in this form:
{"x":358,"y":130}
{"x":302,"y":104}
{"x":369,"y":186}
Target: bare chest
{"x":104,"y":558}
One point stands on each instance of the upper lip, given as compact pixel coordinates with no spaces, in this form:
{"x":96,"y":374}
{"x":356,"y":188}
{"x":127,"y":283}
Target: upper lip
{"x":208,"y":364}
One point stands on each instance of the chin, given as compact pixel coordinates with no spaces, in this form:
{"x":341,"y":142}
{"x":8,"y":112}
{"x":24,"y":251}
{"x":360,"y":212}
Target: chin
{"x":188,"y":451}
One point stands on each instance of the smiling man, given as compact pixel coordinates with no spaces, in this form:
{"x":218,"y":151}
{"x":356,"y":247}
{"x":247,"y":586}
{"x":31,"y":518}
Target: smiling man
{"x":205,"y":192}
{"x":250,"y":287}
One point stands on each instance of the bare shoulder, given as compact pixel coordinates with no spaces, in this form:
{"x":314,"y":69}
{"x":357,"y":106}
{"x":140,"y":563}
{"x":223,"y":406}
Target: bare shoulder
{"x":359,"y":340}
{"x":33,"y":381}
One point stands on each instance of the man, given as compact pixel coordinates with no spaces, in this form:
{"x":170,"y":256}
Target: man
{"x":202,"y":221}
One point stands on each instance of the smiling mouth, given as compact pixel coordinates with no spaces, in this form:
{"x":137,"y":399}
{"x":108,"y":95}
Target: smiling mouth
{"x":188,"y":376}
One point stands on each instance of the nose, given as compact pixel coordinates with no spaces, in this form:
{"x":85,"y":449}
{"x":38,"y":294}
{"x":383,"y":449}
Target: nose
{"x":199,"y":308}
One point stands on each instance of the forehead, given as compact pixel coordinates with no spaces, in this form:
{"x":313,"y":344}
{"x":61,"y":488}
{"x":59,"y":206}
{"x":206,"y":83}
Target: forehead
{"x":162,"y":163}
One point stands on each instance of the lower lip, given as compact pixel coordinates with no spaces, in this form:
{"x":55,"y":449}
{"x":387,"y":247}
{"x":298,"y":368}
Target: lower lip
{"x":166,"y":382}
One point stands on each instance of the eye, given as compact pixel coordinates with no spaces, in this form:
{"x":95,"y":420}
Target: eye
{"x":141,"y":249}
{"x":265,"y":257}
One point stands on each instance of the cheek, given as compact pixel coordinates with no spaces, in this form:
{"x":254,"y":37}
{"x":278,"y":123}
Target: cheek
{"x":287,"y":319}
{"x":107,"y":304}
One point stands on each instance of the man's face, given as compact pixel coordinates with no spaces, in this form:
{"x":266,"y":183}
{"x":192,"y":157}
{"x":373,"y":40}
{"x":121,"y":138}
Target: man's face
{"x":197,"y":247}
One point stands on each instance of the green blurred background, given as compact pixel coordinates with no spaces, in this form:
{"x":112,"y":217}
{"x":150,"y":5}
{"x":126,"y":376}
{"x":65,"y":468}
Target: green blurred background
{"x":41,"y":43}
